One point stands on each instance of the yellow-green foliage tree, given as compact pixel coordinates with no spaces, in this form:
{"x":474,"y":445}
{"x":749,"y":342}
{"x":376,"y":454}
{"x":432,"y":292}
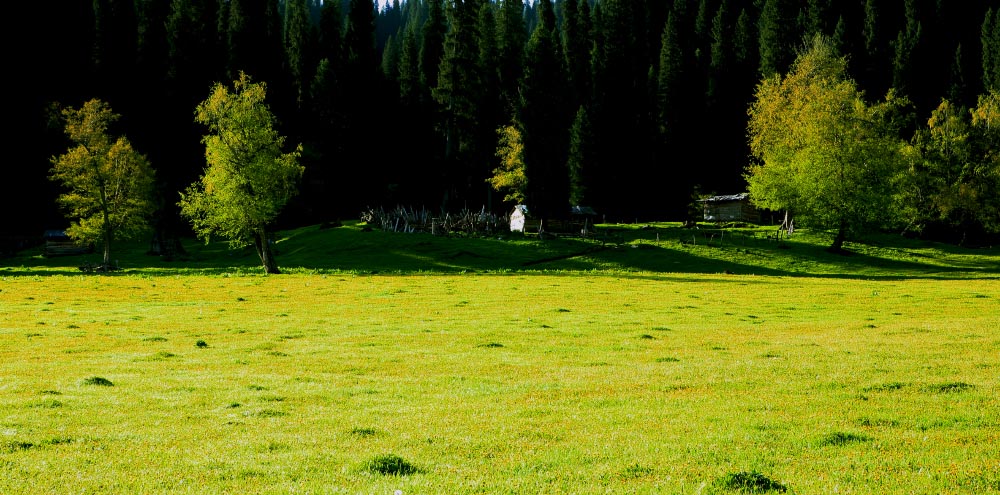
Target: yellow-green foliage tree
{"x":247,"y":178}
{"x":820,"y":151}
{"x":952,"y":180}
{"x":109,"y":184}
{"x":509,"y":176}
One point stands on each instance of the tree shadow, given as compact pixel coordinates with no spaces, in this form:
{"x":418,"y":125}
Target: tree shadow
{"x":640,"y":252}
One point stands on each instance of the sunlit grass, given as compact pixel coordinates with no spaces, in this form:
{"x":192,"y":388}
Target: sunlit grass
{"x":523,"y":382}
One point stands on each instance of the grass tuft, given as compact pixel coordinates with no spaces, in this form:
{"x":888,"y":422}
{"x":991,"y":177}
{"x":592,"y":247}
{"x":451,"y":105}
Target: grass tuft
{"x":636,"y":471}
{"x":885,"y":387}
{"x":267,"y":413}
{"x":492,"y":345}
{"x":667,"y":360}
{"x":647,"y":336}
{"x":750,"y":482}
{"x":201,"y":343}
{"x":839,"y":438}
{"x":98,"y":381}
{"x":950,"y":388}
{"x":11,"y":447}
{"x":48,"y":404}
{"x":390,"y":465}
{"x":154,"y":339}
{"x":363,"y":432}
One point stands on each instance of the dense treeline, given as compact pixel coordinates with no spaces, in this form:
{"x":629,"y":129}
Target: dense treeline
{"x":628,"y":106}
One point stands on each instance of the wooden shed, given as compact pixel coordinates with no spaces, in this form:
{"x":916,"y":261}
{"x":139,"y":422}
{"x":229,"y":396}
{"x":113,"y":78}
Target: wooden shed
{"x":57,"y":243}
{"x":729,"y":208}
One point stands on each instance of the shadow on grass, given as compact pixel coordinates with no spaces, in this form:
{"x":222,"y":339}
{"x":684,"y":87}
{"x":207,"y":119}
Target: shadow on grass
{"x":641,"y":252}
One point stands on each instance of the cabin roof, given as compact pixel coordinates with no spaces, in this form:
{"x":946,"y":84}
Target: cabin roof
{"x":725,"y":197}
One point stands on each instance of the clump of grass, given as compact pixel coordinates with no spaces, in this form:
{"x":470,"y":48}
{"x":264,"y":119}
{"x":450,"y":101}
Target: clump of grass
{"x":11,"y":447}
{"x":636,"y":471}
{"x":661,"y":329}
{"x":363,"y":432}
{"x":201,"y":343}
{"x":878,"y":422}
{"x":277,"y":353}
{"x":267,"y":413}
{"x":647,"y":336}
{"x":51,"y":392}
{"x":48,"y":404}
{"x":950,"y":388}
{"x":154,"y":339}
{"x":839,"y":438}
{"x":667,"y":360}
{"x":492,"y":345}
{"x":256,"y":387}
{"x":390,"y":465}
{"x":885,"y":387}
{"x":750,"y":482}
{"x":98,"y":381}
{"x":163,"y":355}
{"x":562,"y":310}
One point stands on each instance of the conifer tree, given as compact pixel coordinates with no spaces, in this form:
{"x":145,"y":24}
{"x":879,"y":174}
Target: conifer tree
{"x":457,"y":94}
{"x":254,"y":40}
{"x":115,"y":48}
{"x":581,"y":158}
{"x":512,"y":37}
{"x":300,"y":50}
{"x":576,"y":44}
{"x":778,"y":34}
{"x":543,"y":119}
{"x":331,"y":28}
{"x":432,"y":46}
{"x":990,"y":39}
{"x":409,"y":66}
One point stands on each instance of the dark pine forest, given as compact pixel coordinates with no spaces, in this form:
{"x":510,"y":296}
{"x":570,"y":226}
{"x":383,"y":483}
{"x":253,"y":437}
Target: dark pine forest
{"x":628,"y":106}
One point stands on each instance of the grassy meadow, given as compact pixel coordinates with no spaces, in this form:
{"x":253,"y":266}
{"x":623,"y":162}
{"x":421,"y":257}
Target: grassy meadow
{"x":672,"y":361}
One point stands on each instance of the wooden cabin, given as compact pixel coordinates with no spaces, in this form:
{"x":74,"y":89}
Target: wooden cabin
{"x":57,"y":243}
{"x":729,"y":208}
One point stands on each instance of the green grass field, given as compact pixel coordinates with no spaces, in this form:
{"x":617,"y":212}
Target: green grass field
{"x":675,"y":361}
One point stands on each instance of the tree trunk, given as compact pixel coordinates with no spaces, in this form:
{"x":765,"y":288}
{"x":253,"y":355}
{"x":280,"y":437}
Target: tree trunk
{"x":265,"y":253}
{"x":838,"y":242}
{"x":107,"y":249}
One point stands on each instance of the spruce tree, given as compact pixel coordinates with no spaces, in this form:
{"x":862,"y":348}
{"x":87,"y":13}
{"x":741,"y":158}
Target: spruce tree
{"x":581,"y":158}
{"x":300,"y":49}
{"x":432,"y":46}
{"x":778,"y":35}
{"x":576,"y":44}
{"x":457,"y":95}
{"x":331,"y":28}
{"x":990,"y":39}
{"x":512,"y":37}
{"x":409,"y":66}
{"x":544,"y":124}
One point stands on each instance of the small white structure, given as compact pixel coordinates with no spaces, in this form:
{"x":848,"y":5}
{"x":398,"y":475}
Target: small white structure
{"x":517,"y":218}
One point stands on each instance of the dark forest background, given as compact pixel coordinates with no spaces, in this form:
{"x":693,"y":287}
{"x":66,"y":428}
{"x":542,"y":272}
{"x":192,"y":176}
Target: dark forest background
{"x":631,"y":106}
